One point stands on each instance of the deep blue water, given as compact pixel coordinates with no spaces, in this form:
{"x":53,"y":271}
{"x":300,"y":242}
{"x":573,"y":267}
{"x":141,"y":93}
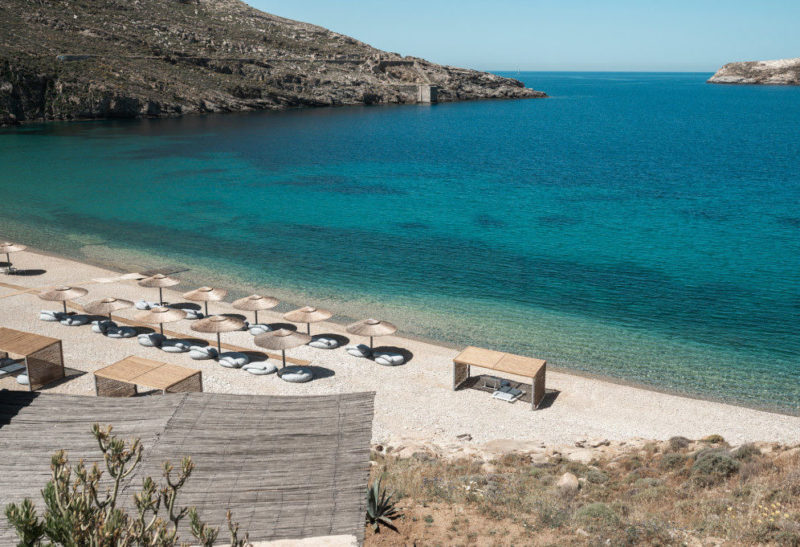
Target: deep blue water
{"x":640,"y":226}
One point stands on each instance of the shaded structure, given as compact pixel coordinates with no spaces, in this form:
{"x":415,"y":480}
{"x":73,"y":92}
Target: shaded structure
{"x":307,"y":315}
{"x":159,"y":316}
{"x":287,"y":467}
{"x":255,"y":303}
{"x":282,"y":339}
{"x":206,"y":295}
{"x":107,"y":306}
{"x":121,"y":378}
{"x":7,"y":248}
{"x":217,"y":324}
{"x":43,"y":356}
{"x":63,"y":294}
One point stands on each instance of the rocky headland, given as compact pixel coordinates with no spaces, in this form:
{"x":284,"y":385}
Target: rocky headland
{"x":84,"y":59}
{"x":778,"y":72}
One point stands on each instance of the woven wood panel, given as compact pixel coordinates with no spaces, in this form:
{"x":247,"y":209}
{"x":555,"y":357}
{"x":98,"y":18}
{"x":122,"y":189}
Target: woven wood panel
{"x":287,"y":467}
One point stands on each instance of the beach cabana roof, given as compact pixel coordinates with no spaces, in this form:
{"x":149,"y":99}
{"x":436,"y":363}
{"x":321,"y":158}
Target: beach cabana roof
{"x":307,"y":314}
{"x":159,"y":281}
{"x":107,"y":306}
{"x":255,"y":302}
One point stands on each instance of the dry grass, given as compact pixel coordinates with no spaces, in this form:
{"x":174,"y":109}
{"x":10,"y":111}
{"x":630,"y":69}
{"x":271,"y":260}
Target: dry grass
{"x":667,"y":494}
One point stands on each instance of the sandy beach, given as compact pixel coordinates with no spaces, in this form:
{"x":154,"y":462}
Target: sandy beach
{"x":414,"y":402}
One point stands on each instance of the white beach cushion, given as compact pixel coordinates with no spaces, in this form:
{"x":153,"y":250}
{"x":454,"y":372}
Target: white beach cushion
{"x":102,"y":326}
{"x":193,"y":314}
{"x":360,"y":350}
{"x":142,"y":305}
{"x":121,"y":332}
{"x":175,"y":346}
{"x":260,"y":368}
{"x":152,"y":340}
{"x":297,"y":375}
{"x":233,"y":359}
{"x":74,"y":320}
{"x":258,"y":328}
{"x":199,"y":353}
{"x":47,"y":315}
{"x":23,"y":379}
{"x":388,"y":359}
{"x":324,"y":343}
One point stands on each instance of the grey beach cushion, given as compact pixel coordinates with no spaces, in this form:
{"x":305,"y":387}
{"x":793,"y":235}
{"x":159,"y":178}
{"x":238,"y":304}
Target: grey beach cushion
{"x":102,"y":326}
{"x":121,"y":332}
{"x":199,"y":353}
{"x":360,"y":350}
{"x":175,"y":346}
{"x":389,"y":359}
{"x":74,"y":320}
{"x":296,"y":375}
{"x":233,"y":359}
{"x":260,"y":368}
{"x":47,"y":315}
{"x":22,"y":379}
{"x":321,"y":342}
{"x":152,"y":340}
{"x":258,"y":328}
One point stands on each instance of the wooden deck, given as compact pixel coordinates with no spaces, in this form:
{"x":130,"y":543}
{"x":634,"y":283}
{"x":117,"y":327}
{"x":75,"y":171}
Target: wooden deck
{"x":287,"y":467}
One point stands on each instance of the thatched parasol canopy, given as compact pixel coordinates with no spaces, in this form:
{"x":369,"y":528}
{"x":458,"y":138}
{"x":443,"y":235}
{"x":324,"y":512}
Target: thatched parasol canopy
{"x":107,"y":306}
{"x":282,"y":339}
{"x":160,"y":316}
{"x":372,"y":328}
{"x":206,"y":295}
{"x":255,"y":303}
{"x":62,"y":294}
{"x":217,"y":324}
{"x":6,"y":247}
{"x":160,"y":282}
{"x":307,"y":315}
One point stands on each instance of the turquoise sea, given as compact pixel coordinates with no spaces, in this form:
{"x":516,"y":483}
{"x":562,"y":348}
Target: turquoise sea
{"x":644,"y":227}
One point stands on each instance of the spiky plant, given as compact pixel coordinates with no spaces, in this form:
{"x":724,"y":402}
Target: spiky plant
{"x":380,"y":508}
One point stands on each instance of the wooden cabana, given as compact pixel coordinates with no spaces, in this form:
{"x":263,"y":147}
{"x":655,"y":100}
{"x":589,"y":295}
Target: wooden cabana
{"x":121,"y":378}
{"x":501,"y":362}
{"x":43,"y":356}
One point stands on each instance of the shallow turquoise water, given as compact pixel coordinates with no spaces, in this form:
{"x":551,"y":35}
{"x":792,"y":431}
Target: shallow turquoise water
{"x":640,"y":226}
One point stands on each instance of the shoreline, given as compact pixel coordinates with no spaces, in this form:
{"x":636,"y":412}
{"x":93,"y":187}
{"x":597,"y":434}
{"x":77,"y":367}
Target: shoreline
{"x":341,"y":320}
{"x":414,"y":405}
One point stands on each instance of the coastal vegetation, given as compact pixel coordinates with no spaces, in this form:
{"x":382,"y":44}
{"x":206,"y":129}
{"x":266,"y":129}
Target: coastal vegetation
{"x":81,"y":507}
{"x":677,"y":492}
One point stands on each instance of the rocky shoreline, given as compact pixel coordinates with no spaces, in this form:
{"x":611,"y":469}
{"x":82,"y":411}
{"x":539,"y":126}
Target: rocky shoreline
{"x":777,"y":72}
{"x":86,"y":59}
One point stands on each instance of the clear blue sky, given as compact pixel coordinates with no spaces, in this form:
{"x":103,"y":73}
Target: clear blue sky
{"x":663,"y":35}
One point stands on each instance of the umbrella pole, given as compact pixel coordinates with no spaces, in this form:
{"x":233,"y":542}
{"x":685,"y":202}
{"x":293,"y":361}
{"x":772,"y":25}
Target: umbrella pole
{"x":283,"y":351}
{"x":65,"y":306}
{"x":161,"y":326}
{"x":206,"y":303}
{"x":256,"y":317}
{"x":109,"y":316}
{"x":308,"y":328}
{"x":370,"y":342}
{"x":160,"y":296}
{"x":219,"y":344}
{"x":8,"y":259}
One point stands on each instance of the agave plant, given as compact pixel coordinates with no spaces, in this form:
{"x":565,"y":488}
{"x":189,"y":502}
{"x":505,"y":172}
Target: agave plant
{"x":380,"y":508}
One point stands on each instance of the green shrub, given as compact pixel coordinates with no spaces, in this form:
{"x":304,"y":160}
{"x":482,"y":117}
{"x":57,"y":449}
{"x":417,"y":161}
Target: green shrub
{"x":678,"y":443}
{"x":595,"y":476}
{"x":672,"y":460}
{"x":746,"y":452}
{"x":78,"y":512}
{"x":597,"y":514}
{"x":713,"y":439}
{"x":380,"y":508}
{"x":713,"y":467}
{"x":551,"y":515}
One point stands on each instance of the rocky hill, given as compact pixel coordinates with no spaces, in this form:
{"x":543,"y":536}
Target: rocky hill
{"x":80,"y":59}
{"x":779,"y":72}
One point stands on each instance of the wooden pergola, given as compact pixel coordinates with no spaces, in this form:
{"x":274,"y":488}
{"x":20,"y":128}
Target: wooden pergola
{"x":502,"y":362}
{"x":121,"y":378}
{"x":43,"y":356}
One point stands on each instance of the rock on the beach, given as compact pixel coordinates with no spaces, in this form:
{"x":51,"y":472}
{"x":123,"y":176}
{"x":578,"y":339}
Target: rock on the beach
{"x":582,"y":455}
{"x":568,"y":483}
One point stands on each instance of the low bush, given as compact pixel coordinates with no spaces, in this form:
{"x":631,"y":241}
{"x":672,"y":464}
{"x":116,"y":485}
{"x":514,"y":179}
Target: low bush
{"x":746,"y":452}
{"x":678,"y":443}
{"x":597,"y":513}
{"x":713,"y":439}
{"x":712,"y":468}
{"x":672,"y":460}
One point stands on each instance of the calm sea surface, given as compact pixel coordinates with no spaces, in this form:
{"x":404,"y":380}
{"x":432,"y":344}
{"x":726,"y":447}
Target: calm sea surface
{"x":639,"y":226}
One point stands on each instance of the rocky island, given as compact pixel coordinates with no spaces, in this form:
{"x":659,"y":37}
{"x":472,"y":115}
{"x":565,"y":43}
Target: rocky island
{"x":778,"y":72}
{"x":84,"y":59}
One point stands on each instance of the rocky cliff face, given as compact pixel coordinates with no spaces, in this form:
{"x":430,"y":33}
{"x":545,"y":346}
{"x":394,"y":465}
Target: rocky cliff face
{"x":80,"y":59}
{"x":780,"y":72}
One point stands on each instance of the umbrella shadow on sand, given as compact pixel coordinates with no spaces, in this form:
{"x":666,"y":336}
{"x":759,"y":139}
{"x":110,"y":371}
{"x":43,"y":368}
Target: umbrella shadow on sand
{"x":407,"y":355}
{"x":186,"y":306}
{"x":279,"y":326}
{"x":24,"y":273}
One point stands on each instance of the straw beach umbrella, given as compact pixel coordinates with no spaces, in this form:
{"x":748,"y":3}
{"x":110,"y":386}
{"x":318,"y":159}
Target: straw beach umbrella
{"x":7,"y":248}
{"x":282,"y":339}
{"x":371,"y":328}
{"x":307,"y":315}
{"x":161,"y":282}
{"x":107,"y":306}
{"x":217,"y":324}
{"x":205,"y":295}
{"x":160,"y":316}
{"x":255,"y":303}
{"x":62,"y":294}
